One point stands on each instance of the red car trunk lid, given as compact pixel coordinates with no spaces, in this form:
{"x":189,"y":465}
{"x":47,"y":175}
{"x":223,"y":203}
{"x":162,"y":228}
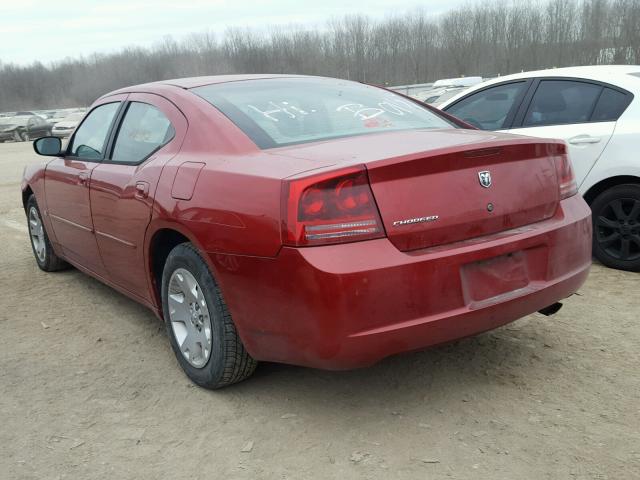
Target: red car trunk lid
{"x":436,"y":198}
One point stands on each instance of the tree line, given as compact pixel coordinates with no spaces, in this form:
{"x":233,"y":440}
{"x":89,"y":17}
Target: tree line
{"x":485,"y":39}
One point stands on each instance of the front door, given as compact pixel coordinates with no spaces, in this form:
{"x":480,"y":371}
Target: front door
{"x":124,"y":184}
{"x":67,"y":182}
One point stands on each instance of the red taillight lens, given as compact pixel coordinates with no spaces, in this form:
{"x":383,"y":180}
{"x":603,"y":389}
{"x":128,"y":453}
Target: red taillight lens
{"x":330,"y":208}
{"x":566,"y":179}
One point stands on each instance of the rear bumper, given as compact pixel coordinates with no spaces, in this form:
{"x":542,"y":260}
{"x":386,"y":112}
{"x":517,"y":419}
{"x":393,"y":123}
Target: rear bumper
{"x":347,"y":306}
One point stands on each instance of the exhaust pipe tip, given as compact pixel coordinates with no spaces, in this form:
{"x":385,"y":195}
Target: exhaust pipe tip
{"x":551,"y":309}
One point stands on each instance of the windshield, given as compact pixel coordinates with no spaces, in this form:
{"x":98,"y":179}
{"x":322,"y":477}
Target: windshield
{"x":284,"y":111}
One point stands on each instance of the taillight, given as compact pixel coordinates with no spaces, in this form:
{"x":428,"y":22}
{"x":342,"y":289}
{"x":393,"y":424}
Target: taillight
{"x":330,"y":208}
{"x":564,"y":173}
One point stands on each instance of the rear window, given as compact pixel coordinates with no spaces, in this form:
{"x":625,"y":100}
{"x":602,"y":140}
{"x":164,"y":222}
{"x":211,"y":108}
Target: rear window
{"x":562,"y":102}
{"x":285,"y":111}
{"x":610,"y":105}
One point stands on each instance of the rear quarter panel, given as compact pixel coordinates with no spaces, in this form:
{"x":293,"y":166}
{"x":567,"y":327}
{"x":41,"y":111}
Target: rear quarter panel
{"x":621,"y":156}
{"x":234,"y":207}
{"x":230,"y":211}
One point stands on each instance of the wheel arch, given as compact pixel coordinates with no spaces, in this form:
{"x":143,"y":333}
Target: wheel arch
{"x":608,"y":183}
{"x":162,"y":237}
{"x":160,"y":244}
{"x":26,"y":193}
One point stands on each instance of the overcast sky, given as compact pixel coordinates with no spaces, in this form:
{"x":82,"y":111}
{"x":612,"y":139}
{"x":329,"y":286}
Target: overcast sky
{"x":49,"y":30}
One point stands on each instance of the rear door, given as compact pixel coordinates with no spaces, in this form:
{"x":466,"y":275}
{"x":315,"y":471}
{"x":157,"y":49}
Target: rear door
{"x":67,"y":182}
{"x":123,"y":186}
{"x":580,"y":112}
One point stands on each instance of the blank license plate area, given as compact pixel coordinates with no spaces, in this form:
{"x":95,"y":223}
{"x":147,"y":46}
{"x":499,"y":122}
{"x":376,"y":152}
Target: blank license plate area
{"x":494,"y":277}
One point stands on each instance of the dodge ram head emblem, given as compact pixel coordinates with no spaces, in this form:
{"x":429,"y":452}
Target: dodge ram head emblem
{"x":485,"y":178}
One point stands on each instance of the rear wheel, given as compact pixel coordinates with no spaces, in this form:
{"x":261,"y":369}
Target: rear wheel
{"x":616,"y":227}
{"x":202,"y":333}
{"x":46,"y":258}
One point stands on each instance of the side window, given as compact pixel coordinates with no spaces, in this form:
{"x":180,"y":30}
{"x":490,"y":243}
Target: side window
{"x":488,"y":109}
{"x":90,"y":138}
{"x":143,"y":130}
{"x":560,"y":102}
{"x":610,"y":105}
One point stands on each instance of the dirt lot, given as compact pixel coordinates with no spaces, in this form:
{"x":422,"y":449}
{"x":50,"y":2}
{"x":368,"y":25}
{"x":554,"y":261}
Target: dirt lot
{"x":89,"y":388}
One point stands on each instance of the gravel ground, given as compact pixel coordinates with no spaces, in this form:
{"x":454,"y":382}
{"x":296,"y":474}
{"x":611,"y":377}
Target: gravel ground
{"x":89,"y":388}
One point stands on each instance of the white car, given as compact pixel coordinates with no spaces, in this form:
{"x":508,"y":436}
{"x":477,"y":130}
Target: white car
{"x":67,"y":125}
{"x":445,"y":89}
{"x":596,"y":110}
{"x":437,"y":96}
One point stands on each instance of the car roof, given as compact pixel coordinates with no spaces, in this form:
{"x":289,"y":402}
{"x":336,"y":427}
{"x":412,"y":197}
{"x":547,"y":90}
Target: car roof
{"x":614,"y":74}
{"x":595,"y":72}
{"x":192,"y":82}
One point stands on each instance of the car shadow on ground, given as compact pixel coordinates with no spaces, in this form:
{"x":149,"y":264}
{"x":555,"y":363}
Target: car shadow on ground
{"x":502,"y":359}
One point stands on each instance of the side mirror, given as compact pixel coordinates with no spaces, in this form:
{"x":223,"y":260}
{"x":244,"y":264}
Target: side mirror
{"x":48,"y":146}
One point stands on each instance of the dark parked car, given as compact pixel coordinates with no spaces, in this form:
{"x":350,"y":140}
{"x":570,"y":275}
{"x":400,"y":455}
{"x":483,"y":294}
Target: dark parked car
{"x":304,"y":220}
{"x":22,"y":128}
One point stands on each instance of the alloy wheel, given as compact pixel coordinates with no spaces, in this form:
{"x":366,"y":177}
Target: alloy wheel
{"x":189,"y":316}
{"x":618,"y":229}
{"x":36,"y":231}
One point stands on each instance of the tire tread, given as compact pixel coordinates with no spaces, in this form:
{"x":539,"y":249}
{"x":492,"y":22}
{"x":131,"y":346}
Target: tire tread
{"x":53,"y":262}
{"x":628,"y":190}
{"x":237,"y":363}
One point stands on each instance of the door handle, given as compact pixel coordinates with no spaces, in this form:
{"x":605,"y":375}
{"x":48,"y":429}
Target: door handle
{"x":83,"y":178}
{"x":583,"y":139}
{"x":142,"y":189}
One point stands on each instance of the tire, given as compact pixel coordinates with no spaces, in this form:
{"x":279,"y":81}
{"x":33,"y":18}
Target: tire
{"x":616,"y":227}
{"x":228,"y":361}
{"x":46,"y":258}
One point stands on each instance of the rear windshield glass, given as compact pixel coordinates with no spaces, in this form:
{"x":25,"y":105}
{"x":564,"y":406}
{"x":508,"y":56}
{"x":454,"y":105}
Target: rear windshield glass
{"x":285,"y":111}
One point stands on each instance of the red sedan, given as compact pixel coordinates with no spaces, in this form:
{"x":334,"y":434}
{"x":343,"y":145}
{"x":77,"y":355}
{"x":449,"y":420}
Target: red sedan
{"x":306,"y":220}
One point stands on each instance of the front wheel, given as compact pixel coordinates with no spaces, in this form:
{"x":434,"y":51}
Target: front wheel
{"x":46,"y":258}
{"x":202,"y":333}
{"x":616,"y":227}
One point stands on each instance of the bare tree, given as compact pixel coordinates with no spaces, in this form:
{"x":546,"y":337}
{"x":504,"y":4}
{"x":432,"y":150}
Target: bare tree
{"x":485,"y":38}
